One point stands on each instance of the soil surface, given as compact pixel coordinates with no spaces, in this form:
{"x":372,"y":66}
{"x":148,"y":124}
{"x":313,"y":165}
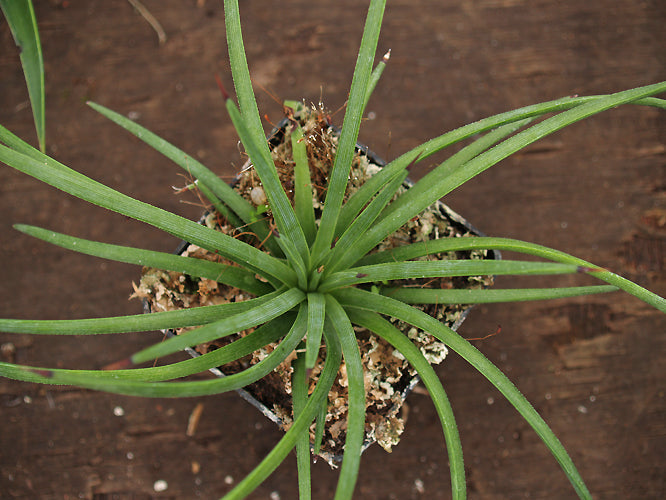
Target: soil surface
{"x":593,"y":367}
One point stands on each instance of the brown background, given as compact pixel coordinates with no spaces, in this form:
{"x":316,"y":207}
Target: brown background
{"x":593,"y":367}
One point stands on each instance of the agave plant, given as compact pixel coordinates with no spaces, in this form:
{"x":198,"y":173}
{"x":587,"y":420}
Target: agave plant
{"x":313,"y":280}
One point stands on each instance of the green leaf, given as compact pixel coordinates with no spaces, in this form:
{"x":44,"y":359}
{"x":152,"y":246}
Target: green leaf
{"x":265,"y":312}
{"x":265,"y":334}
{"x":316,"y":314}
{"x":299,"y":426}
{"x":412,"y":354}
{"x":135,"y":323}
{"x":349,"y":134}
{"x":484,"y":243}
{"x":299,"y":391}
{"x":360,"y":198}
{"x":222,"y":273}
{"x":292,"y":239}
{"x":61,"y":177}
{"x":22,"y":22}
{"x":178,"y":389}
{"x":440,"y":268}
{"x":352,"y":297}
{"x":447,"y":176}
{"x":349,"y":240}
{"x":207,"y":180}
{"x":303,"y":185}
{"x":481,"y":296}
{"x":337,"y":319}
{"x":375,"y":76}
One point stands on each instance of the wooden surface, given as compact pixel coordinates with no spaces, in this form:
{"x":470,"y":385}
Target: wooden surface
{"x":593,"y":367}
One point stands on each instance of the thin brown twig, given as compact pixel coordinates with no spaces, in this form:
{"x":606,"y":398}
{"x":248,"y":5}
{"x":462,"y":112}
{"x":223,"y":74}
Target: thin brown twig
{"x":154,"y":23}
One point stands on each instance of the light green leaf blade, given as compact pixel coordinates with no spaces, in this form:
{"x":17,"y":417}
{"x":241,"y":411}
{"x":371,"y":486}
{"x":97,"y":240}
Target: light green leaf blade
{"x":61,"y":177}
{"x":134,"y":323}
{"x":384,"y":329}
{"x":441,"y":268}
{"x":349,"y":133}
{"x":271,"y":332}
{"x":316,"y":314}
{"x":20,"y":16}
{"x":337,"y":319}
{"x":299,"y":426}
{"x":483,"y":296}
{"x":265,"y":312}
{"x":352,"y":297}
{"x":222,"y":273}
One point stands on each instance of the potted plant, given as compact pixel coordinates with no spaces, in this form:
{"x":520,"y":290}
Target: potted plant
{"x":317,"y":287}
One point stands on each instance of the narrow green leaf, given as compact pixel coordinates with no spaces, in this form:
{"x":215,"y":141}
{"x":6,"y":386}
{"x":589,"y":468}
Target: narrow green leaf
{"x":483,"y":243}
{"x":350,"y":126}
{"x":353,"y":297}
{"x":299,"y":426}
{"x":316,"y":313}
{"x":303,"y":185}
{"x":22,"y":22}
{"x":193,"y":167}
{"x":61,"y":177}
{"x":135,"y":323}
{"x":222,"y":273}
{"x":426,"y":149}
{"x":291,"y":233}
{"x":349,"y":240}
{"x":337,"y":319}
{"x":482,"y":296}
{"x":412,"y":354}
{"x":265,"y":312}
{"x":180,"y":389}
{"x":366,"y":191}
{"x":440,"y":268}
{"x":265,"y":334}
{"x":369,"y":241}
{"x":447,"y":177}
{"x":375,"y":76}
{"x":299,"y":390}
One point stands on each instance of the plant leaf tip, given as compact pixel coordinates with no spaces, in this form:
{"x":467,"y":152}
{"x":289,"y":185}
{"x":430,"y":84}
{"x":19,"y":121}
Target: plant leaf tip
{"x":586,"y":269}
{"x":225,"y":94}
{"x":387,"y":56}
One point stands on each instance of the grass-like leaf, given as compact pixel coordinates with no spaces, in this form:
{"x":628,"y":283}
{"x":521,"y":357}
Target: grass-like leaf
{"x":316,"y":314}
{"x":22,"y":22}
{"x":303,"y":185}
{"x":440,"y":268}
{"x":426,"y":372}
{"x":335,"y":259}
{"x":349,"y":133}
{"x":385,"y":305}
{"x":351,"y":461}
{"x":292,"y":240}
{"x":481,"y":296}
{"x":134,"y":323}
{"x":257,"y":315}
{"x":61,"y":177}
{"x":223,"y":273}
{"x":447,"y":176}
{"x":299,"y":426}
{"x":485,"y":243}
{"x":299,"y":396}
{"x":265,"y":334}
{"x":361,"y":197}
{"x":177,"y":389}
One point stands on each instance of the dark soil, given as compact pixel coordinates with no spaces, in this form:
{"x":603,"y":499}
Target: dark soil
{"x":593,"y":367}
